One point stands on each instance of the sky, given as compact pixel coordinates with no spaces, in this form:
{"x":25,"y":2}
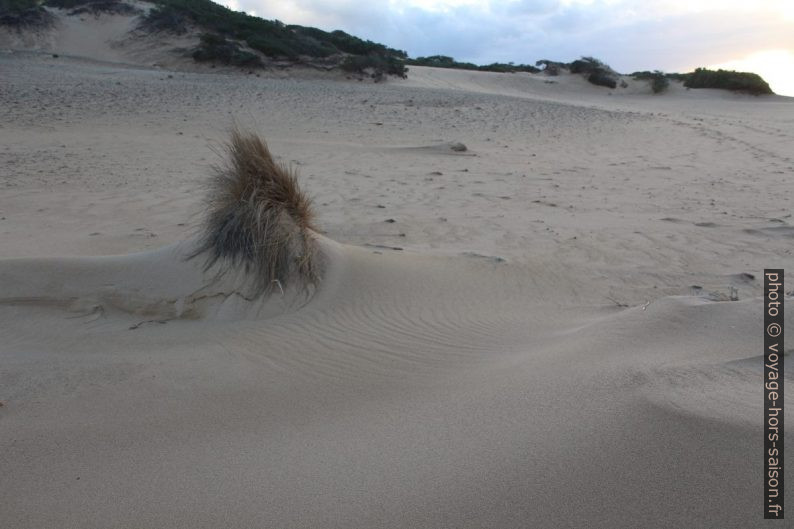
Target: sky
{"x":629,"y":35}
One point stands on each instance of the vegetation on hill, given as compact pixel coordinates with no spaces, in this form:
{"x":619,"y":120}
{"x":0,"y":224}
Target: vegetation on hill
{"x":232,"y":38}
{"x":226,"y":32}
{"x":551,"y":67}
{"x":77,"y":7}
{"x":379,"y":65}
{"x":658,"y":80}
{"x":14,"y":6}
{"x":23,"y":13}
{"x":747,"y":82}
{"x":594,"y":70}
{"x":443,"y":61}
{"x":215,"y":48}
{"x":269,"y":37}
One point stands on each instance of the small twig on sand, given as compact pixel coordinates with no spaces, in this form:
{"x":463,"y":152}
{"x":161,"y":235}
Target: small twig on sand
{"x":277,"y":282}
{"x":616,"y":302}
{"x":147,"y":321}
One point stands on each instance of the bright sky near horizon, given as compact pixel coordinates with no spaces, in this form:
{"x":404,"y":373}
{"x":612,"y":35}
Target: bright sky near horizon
{"x":629,"y":35}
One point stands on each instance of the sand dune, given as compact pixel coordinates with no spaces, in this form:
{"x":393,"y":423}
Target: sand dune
{"x":504,"y":337}
{"x":411,"y":391}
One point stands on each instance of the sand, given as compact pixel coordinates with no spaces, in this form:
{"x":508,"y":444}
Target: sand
{"x":521,"y":347}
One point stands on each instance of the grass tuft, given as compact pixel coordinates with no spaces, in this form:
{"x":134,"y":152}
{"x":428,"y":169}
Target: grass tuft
{"x":259,"y":220}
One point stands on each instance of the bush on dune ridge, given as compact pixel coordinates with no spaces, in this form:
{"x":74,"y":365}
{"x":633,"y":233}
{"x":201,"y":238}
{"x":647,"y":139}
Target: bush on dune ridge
{"x":32,"y":12}
{"x":596,"y":71}
{"x":587,"y":65}
{"x":229,"y":28}
{"x":378,"y":64}
{"x":659,"y":83}
{"x":23,"y":14}
{"x":551,"y":67}
{"x":214,"y":48}
{"x":601,"y":78}
{"x":77,"y":7}
{"x":272,"y":38}
{"x":13,"y":6}
{"x":747,"y":82}
{"x":443,"y":61}
{"x":65,"y":4}
{"x":658,"y":80}
{"x":71,"y":4}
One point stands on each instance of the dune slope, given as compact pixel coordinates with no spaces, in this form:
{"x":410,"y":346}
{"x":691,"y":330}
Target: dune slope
{"x":411,"y":391}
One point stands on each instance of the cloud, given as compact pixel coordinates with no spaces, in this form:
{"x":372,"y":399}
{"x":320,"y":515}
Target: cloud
{"x":673,"y":35}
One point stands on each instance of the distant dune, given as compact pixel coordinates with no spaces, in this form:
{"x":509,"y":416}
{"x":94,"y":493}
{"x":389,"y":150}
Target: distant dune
{"x":198,"y":34}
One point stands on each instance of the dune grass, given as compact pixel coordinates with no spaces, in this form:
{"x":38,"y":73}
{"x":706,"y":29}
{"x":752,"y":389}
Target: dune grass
{"x":259,"y":221}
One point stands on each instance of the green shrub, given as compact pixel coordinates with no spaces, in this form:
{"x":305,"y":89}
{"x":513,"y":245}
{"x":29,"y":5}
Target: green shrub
{"x":23,"y":13}
{"x":77,"y":7}
{"x":272,"y":47}
{"x":747,"y":82}
{"x":356,"y":46}
{"x":356,"y":64}
{"x":658,"y":80}
{"x":443,"y":61}
{"x":16,"y":6}
{"x":379,"y":64}
{"x":596,"y":71}
{"x":215,"y":48}
{"x":165,"y":18}
{"x":65,"y":4}
{"x":270,"y":37}
{"x":677,"y":76}
{"x":508,"y":67}
{"x":601,"y":78}
{"x":552,"y":67}
{"x":660,"y":83}
{"x":587,"y":65}
{"x":644,"y":75}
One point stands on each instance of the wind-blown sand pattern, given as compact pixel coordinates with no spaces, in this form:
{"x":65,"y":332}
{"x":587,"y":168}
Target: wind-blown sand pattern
{"x":506,"y":336}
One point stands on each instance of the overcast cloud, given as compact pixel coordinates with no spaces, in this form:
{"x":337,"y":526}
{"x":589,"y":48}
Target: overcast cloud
{"x":671,"y":35}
